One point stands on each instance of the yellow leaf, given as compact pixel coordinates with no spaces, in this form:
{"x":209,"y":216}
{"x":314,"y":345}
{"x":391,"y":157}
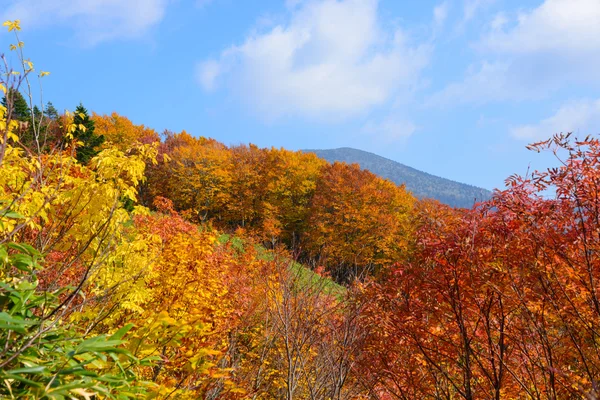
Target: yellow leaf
{"x":84,"y":393}
{"x":13,"y":25}
{"x":12,"y":136}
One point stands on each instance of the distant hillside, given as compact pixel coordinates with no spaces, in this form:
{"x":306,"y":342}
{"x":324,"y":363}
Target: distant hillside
{"x":420,"y":183}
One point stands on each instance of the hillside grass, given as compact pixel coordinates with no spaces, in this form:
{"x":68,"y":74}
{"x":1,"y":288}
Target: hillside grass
{"x":306,"y":277}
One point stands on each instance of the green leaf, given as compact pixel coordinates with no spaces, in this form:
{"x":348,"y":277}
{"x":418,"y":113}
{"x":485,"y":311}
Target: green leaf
{"x":3,"y":255}
{"x":78,"y":371}
{"x":24,"y":248}
{"x":23,"y":262}
{"x":100,"y":344}
{"x":12,"y":215}
{"x":118,"y":335}
{"x":18,"y":329}
{"x":5,"y":317}
{"x":30,"y":370}
{"x":6,"y":375}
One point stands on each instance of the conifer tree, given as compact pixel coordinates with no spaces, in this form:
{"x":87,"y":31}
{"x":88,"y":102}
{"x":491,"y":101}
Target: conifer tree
{"x":51,"y":111}
{"x":17,"y":106}
{"x":85,"y":133}
{"x":37,"y":113}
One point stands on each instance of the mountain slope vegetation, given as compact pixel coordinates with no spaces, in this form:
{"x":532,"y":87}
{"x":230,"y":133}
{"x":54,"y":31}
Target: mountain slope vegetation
{"x":171,"y":266}
{"x":419,"y":183}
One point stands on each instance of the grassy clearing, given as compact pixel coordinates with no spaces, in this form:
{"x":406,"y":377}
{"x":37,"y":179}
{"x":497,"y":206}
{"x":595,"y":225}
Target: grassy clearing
{"x":305,"y":276}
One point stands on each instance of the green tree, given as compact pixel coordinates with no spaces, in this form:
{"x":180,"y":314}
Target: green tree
{"x":51,"y":111}
{"x":16,"y":105}
{"x":84,"y":133}
{"x":37,"y":113}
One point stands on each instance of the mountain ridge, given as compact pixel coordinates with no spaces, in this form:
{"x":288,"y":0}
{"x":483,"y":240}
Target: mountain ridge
{"x":421,"y":184}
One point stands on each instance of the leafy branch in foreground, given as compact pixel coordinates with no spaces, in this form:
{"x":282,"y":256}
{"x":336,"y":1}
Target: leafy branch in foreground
{"x":46,"y":358}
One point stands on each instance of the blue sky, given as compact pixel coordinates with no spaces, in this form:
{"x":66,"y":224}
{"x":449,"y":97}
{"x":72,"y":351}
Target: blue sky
{"x":456,"y":88}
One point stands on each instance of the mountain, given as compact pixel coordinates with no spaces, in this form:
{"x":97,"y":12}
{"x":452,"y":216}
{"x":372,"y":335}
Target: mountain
{"x":420,"y":183}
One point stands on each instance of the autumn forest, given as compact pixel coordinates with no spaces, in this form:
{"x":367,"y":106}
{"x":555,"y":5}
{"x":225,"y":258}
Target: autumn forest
{"x":138,"y":264}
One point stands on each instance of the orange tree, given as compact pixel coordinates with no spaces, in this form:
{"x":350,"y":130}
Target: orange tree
{"x":120,"y":132}
{"x":358,"y":222}
{"x":500,"y":301}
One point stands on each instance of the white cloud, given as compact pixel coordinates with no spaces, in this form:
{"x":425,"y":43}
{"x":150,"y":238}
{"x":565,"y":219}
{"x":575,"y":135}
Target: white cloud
{"x":207,"y":73}
{"x":497,"y":81}
{"x":500,"y":20}
{"x":557,"y":26}
{"x":332,"y":60}
{"x":293,"y":3}
{"x":472,"y":7}
{"x":93,"y":21}
{"x":532,"y":54}
{"x":574,"y":116}
{"x":440,"y":14}
{"x":390,"y":129}
{"x":477,"y":86}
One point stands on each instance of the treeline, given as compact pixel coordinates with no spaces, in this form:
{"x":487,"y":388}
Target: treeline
{"x":333,"y":215}
{"x":135,"y":266}
{"x":336,"y":216}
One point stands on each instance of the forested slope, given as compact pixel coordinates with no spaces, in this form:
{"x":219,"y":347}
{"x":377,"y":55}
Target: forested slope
{"x":138,"y":265}
{"x":419,"y":183}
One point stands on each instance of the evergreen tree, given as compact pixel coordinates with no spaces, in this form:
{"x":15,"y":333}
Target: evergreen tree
{"x":85,"y":134}
{"x":37,"y":113}
{"x":50,"y":111}
{"x":17,"y":106}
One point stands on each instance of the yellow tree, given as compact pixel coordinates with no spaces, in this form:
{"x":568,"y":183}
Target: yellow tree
{"x":248,"y":186}
{"x":358,"y":221}
{"x":195,"y":175}
{"x":291,"y":180}
{"x":120,"y":132}
{"x":52,"y":206}
{"x":179,"y":305}
{"x":200,"y":178}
